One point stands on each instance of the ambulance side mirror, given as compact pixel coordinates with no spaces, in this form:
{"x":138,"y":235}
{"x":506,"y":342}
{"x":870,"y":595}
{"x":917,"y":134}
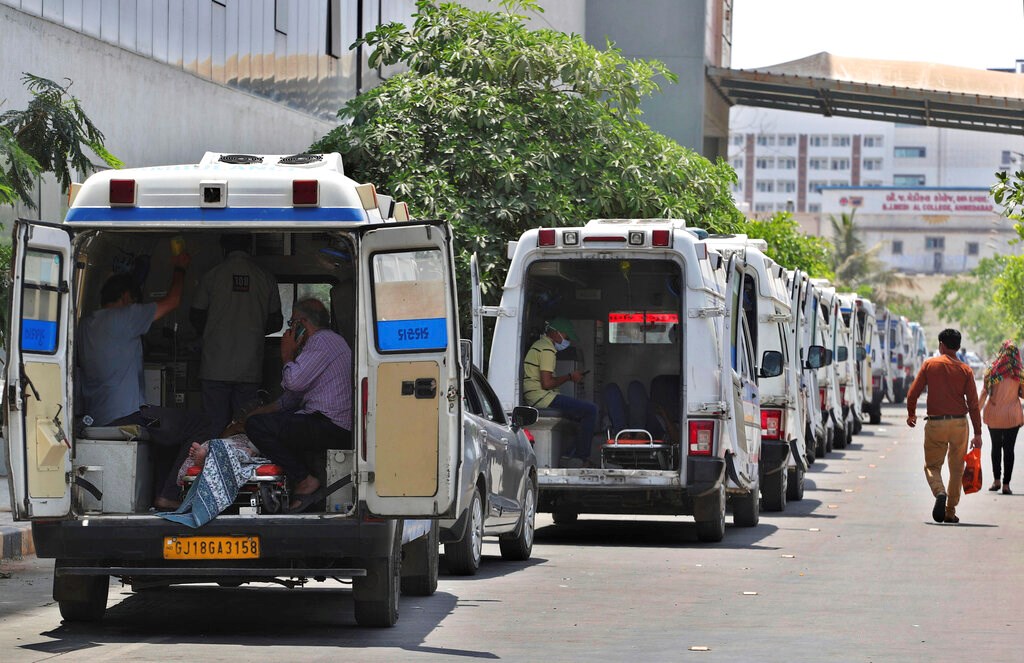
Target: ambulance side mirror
{"x":842,"y":353}
{"x":466,"y":356}
{"x":771,"y":364}
{"x":815,"y":357}
{"x":862,"y":354}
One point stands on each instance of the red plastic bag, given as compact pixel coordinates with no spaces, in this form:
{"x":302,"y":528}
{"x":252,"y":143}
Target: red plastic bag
{"x":972,"y":471}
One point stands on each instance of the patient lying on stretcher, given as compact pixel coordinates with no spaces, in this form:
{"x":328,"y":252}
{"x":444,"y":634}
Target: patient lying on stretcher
{"x":198,"y":452}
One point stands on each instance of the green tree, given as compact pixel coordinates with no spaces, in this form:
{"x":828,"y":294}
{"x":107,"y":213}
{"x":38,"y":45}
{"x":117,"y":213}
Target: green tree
{"x":968,"y":300}
{"x":497,"y":128}
{"x":789,"y":246}
{"x":49,"y":136}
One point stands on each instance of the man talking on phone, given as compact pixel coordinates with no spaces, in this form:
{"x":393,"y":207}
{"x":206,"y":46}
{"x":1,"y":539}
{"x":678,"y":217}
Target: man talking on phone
{"x":315,"y":410}
{"x":540,"y":388}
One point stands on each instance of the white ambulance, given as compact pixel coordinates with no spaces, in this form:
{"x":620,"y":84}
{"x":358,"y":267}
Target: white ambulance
{"x":666,"y":356}
{"x":806,"y":344}
{"x":833,"y":377}
{"x":388,"y":284}
{"x":768,"y":309}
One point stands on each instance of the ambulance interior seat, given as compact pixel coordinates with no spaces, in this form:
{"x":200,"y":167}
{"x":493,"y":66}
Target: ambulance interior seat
{"x":614,"y":408}
{"x":665,"y":404}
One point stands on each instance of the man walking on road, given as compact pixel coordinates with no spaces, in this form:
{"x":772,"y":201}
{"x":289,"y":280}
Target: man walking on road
{"x":951,"y":397}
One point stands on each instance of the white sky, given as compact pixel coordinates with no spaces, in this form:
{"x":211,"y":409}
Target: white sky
{"x":981,"y":34}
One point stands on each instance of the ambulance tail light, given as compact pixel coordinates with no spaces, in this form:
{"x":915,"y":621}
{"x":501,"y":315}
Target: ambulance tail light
{"x":701,"y":436}
{"x":306,"y":193}
{"x":364,"y":407}
{"x":899,"y":360}
{"x":842,"y":395}
{"x":823,"y":397}
{"x":546,"y":237}
{"x":661,"y":237}
{"x":771,"y":424}
{"x":122,"y":192}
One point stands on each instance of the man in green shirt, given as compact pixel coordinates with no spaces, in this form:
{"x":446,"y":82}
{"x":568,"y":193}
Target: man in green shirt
{"x":540,"y":387}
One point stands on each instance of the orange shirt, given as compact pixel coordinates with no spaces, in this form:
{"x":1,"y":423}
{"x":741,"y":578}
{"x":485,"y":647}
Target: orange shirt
{"x":951,"y":389}
{"x":1002,"y":408}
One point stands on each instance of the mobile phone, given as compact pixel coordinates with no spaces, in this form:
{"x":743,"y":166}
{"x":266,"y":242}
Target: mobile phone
{"x":299,"y":331}
{"x":585,"y":372}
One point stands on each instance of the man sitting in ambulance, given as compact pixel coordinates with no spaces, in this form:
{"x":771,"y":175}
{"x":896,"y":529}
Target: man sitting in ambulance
{"x":110,"y":358}
{"x":540,"y":389}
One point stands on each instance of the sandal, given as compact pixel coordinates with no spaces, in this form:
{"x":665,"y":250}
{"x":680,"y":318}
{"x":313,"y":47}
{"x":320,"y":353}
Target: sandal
{"x":1006,"y":489}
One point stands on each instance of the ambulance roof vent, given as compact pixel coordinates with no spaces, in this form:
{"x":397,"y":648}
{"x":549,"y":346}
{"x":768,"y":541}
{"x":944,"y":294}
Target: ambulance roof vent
{"x":240,"y":159}
{"x":301,"y":159}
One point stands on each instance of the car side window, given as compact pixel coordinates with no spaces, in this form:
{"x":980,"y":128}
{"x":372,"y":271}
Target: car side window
{"x":489,"y":403}
{"x":470,"y":398}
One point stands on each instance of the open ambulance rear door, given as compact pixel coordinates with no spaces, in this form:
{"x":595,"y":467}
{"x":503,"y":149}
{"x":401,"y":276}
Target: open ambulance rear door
{"x":411,"y":384}
{"x":38,"y":411}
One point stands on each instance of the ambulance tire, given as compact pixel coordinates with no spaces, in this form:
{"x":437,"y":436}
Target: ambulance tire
{"x":746,"y":509}
{"x":712,"y":529}
{"x":91,"y":597}
{"x":795,"y":487}
{"x":517,"y":546}
{"x":376,"y":594}
{"x":899,"y":393}
{"x":875,"y":414}
{"x":773,"y":491}
{"x":858,"y":425}
{"x":420,"y":564}
{"x":839,"y":442}
{"x":463,"y":557}
{"x":819,"y":445}
{"x":830,"y":439}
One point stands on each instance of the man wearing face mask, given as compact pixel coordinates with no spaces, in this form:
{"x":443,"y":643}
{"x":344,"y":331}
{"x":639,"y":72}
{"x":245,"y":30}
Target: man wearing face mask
{"x":540,"y":388}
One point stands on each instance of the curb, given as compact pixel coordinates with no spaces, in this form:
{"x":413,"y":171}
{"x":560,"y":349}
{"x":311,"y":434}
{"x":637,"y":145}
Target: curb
{"x":16,"y":542}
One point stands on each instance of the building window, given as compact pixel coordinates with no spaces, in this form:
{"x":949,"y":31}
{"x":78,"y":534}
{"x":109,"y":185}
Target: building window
{"x":737,"y":186}
{"x":765,"y":186}
{"x":872,"y":141}
{"x":817,"y":164}
{"x":935,"y":243}
{"x":815,"y":186}
{"x":908,"y":180}
{"x":763,"y":207}
{"x":784,"y":207}
{"x":787,"y":163}
{"x":737,"y":163}
{"x":972,"y":248}
{"x":840,"y":141}
{"x":785,"y":186}
{"x":787,"y":140}
{"x":872,"y":164}
{"x":839,"y":183}
{"x":766,"y":140}
{"x":737,"y":139}
{"x":814,"y":208}
{"x":765,"y":162}
{"x":841,"y":164}
{"x":873,"y":183}
{"x":909,"y":152}
{"x":897,"y":247}
{"x":818,"y":140}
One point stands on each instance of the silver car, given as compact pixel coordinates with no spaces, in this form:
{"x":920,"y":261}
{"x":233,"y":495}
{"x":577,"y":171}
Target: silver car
{"x":498,"y":481}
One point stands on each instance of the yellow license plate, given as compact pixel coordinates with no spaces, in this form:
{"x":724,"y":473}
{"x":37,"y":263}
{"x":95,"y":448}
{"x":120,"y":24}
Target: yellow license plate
{"x":211,"y":547}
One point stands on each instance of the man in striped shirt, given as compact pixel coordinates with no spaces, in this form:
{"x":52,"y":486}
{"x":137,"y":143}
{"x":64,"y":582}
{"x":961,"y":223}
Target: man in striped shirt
{"x":315,"y":410}
{"x":540,"y":388}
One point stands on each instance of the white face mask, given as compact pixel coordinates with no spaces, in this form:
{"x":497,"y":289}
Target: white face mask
{"x":563,"y":344}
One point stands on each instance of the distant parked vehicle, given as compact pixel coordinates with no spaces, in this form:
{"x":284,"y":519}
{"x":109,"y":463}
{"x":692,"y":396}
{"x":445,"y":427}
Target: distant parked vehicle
{"x":975,"y":362}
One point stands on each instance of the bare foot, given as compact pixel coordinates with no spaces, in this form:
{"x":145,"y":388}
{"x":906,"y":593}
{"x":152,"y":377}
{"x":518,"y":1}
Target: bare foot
{"x":307,"y":486}
{"x":197,"y":452}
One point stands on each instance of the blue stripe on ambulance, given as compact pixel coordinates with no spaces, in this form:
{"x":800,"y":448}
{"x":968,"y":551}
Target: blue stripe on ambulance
{"x":322,"y":214}
{"x":420,"y":334}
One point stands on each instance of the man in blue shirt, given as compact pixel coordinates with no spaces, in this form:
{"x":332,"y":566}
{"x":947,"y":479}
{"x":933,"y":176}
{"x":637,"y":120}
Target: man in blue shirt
{"x":110,"y":358}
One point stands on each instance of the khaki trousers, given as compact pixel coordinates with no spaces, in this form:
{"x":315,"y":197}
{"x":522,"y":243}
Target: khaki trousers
{"x":945,"y":439}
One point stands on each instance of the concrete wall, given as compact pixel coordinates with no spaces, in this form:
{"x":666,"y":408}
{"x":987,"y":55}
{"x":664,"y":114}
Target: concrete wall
{"x":150,"y":113}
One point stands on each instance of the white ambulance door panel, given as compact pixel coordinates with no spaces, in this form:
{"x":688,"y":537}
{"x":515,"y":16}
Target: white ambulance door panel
{"x":36,"y":398}
{"x":476,"y":317}
{"x":731,"y":383}
{"x":411,"y":424}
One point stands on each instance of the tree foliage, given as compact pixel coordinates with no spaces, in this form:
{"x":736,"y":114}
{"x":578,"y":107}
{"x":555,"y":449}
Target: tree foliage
{"x":858,"y":268}
{"x":789,"y":246}
{"x":968,"y":300}
{"x":46,"y":137}
{"x":498,"y":128}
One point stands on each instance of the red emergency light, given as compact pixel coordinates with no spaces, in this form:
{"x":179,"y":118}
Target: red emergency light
{"x":660,"y":237}
{"x":546,"y":237}
{"x":122,"y":192}
{"x":305,"y":193}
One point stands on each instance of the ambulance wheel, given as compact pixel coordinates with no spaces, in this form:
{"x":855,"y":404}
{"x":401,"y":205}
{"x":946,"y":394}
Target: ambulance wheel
{"x":858,"y":425}
{"x":376,"y":594}
{"x":830,"y":440}
{"x":88,"y":594}
{"x":773,"y":491}
{"x":564,"y":516}
{"x":518,"y":546}
{"x":463,"y":556}
{"x":875,"y":414}
{"x":710,"y":516}
{"x":746,"y":509}
{"x":420,"y":564}
{"x":839,"y":441}
{"x":819,"y":445}
{"x":795,"y":487}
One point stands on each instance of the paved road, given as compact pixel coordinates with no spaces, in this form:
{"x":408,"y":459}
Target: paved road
{"x":855,"y":572}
